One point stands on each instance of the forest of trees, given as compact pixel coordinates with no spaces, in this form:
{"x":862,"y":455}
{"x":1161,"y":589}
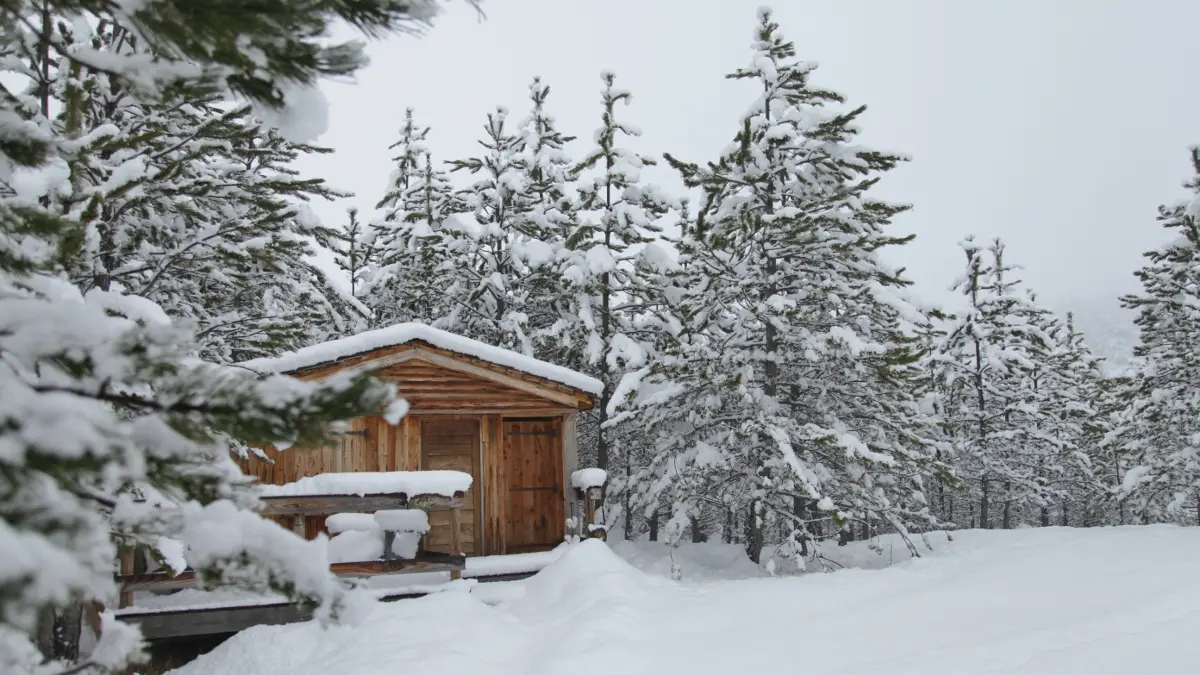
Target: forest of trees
{"x":768,"y":379}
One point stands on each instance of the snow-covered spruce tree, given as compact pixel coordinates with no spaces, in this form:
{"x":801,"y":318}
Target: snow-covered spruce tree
{"x":190,"y":202}
{"x":485,"y":283}
{"x":789,"y":388}
{"x":603,"y":287}
{"x":409,"y":161}
{"x":410,"y":279}
{"x":936,"y":398}
{"x":1162,"y":427}
{"x":354,"y":251}
{"x":1077,"y":423}
{"x":999,"y":379}
{"x":413,"y":272}
{"x":101,"y":399}
{"x":544,"y":227}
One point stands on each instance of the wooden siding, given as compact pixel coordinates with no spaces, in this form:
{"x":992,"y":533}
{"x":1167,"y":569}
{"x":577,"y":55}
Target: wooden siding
{"x":563,"y":395}
{"x":433,"y":388}
{"x":467,"y":415}
{"x":533,"y":464}
{"x":452,"y":444}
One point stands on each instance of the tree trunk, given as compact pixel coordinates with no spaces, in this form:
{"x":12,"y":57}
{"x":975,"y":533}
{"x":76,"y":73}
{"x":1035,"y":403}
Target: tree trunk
{"x":801,"y":512}
{"x":1064,"y":522}
{"x":985,"y":505}
{"x":1045,"y":516}
{"x":727,"y":532}
{"x":754,"y":531}
{"x":698,"y":536}
{"x":654,"y":525}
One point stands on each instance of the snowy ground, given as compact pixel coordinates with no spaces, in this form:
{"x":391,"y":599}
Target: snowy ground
{"x":1036,"y":602}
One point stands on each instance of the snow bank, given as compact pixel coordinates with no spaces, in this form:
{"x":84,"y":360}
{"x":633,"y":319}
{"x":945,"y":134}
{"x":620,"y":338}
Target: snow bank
{"x":402,"y":333}
{"x":444,"y":483}
{"x":516,"y":563}
{"x":589,"y":478}
{"x":1047,"y":601}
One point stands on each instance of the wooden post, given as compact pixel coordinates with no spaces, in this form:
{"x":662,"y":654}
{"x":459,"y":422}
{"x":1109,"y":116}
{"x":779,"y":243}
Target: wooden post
{"x":126,"y":554}
{"x":455,"y":546}
{"x":591,"y":498}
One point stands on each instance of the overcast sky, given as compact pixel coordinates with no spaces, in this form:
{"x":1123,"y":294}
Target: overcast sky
{"x":1059,"y":125}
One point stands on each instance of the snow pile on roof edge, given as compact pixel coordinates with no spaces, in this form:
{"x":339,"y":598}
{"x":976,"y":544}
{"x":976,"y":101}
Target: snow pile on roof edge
{"x":401,"y":333}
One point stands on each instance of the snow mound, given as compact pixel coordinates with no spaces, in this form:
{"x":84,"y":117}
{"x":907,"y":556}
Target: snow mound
{"x":402,"y":333}
{"x":1045,"y":601}
{"x":587,"y":575}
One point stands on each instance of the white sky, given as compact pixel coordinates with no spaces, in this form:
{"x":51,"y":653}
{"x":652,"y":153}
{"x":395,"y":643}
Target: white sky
{"x":1058,"y":125}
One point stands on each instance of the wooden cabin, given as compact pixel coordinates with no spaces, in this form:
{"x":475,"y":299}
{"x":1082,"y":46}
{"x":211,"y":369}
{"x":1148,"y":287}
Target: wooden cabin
{"x":506,"y":419}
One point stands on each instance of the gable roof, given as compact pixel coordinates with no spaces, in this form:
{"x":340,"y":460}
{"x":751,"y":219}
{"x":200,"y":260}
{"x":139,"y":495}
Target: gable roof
{"x":327,"y":353}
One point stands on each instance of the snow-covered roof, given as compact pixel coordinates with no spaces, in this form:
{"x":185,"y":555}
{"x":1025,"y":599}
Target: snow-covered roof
{"x":402,"y":333}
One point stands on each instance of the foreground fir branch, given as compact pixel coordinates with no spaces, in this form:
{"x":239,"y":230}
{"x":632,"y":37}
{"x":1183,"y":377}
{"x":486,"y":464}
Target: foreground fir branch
{"x":111,"y":430}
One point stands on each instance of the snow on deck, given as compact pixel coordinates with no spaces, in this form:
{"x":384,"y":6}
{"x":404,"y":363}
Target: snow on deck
{"x":402,"y":333}
{"x":362,"y":483}
{"x":1047,"y":601}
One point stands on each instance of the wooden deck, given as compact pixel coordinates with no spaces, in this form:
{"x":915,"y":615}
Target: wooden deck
{"x":188,"y":622}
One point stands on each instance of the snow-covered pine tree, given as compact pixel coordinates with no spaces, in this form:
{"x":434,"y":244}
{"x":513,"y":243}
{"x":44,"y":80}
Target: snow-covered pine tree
{"x":1162,"y":427}
{"x":409,"y":161}
{"x":998,"y":353}
{"x":409,"y":281}
{"x":190,"y":202}
{"x":1080,"y":408}
{"x":485,"y":281}
{"x":936,"y":398}
{"x":788,"y":393}
{"x":603,"y":287}
{"x":414,"y":270}
{"x":101,"y":397}
{"x":355,"y":251}
{"x":543,"y":229}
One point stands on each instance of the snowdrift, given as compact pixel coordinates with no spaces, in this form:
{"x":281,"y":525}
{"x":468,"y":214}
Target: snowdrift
{"x":1053,"y":601}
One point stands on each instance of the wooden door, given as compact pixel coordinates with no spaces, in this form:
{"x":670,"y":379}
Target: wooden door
{"x":452,"y":444}
{"x":533,"y":472}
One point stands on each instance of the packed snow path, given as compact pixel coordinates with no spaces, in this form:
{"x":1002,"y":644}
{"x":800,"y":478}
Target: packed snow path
{"x":1036,"y":602}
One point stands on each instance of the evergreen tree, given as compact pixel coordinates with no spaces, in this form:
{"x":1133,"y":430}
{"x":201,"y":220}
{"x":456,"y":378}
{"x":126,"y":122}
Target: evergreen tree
{"x":1007,"y":415}
{"x":355,"y":251}
{"x":1161,"y":430}
{"x":543,"y":229}
{"x":411,"y":153}
{"x":1082,"y":409}
{"x":411,"y":277}
{"x":192,"y":204}
{"x":605,"y":289}
{"x":485,"y":283}
{"x":789,"y":386}
{"x":100,"y":395}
